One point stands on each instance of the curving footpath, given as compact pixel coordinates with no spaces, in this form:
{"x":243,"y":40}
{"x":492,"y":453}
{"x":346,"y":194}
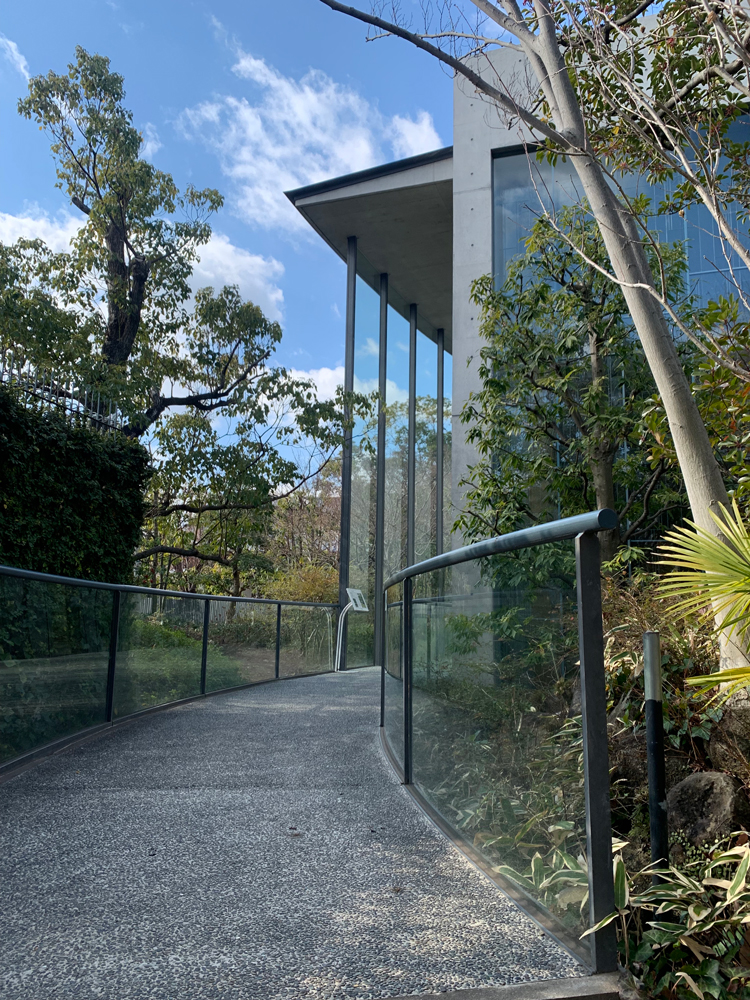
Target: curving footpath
{"x":254,"y":844}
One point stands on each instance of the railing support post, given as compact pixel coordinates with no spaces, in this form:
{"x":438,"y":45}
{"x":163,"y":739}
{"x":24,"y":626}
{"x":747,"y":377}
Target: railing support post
{"x":278,"y":639}
{"x":204,"y":653}
{"x":657,"y":781}
{"x":407,"y":681}
{"x":595,"y":750}
{"x":382,"y":624}
{"x":114,"y":633}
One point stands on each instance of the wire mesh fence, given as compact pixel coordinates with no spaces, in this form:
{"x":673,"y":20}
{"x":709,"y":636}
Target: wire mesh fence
{"x":46,"y":390}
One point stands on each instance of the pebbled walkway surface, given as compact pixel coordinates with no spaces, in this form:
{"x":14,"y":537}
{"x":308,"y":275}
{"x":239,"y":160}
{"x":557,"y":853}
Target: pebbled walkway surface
{"x":252,"y":845}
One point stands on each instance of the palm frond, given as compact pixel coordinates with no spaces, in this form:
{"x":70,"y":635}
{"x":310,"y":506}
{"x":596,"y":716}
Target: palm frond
{"x":712,"y":572}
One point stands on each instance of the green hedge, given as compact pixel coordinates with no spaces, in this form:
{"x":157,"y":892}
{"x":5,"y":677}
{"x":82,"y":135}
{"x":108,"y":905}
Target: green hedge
{"x":71,"y":499}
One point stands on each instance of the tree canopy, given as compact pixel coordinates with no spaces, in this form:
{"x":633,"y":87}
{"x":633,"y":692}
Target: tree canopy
{"x":230,"y":431}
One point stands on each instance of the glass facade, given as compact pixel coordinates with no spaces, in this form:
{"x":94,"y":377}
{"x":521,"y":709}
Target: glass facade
{"x":523,"y":186}
{"x":360,"y":630}
{"x":422,"y":510}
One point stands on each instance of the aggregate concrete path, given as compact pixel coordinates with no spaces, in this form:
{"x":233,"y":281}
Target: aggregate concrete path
{"x":252,"y":845}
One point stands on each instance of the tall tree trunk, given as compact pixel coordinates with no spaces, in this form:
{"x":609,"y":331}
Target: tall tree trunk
{"x":126,"y":291}
{"x":602,"y":456}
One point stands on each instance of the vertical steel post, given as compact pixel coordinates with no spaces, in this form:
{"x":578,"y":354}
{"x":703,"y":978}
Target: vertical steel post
{"x":411,"y":459}
{"x":380,"y":470}
{"x":204,"y":652}
{"x":278,"y":638}
{"x":407,"y":680}
{"x":657,"y":781}
{"x":595,"y":750}
{"x":382,"y":625}
{"x":346,"y":458}
{"x":439,"y":467}
{"x":114,"y":633}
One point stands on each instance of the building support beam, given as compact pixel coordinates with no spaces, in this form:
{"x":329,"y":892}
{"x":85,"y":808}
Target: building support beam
{"x":346,"y":460}
{"x":380,"y":472}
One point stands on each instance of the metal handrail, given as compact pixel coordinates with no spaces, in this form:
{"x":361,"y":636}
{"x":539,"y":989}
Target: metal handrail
{"x":583,"y":528}
{"x":71,"y":581}
{"x":553,"y":531}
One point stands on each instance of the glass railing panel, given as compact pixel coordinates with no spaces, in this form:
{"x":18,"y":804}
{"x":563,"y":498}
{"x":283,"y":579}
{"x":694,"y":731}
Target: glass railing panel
{"x":54,"y":656}
{"x":393,"y":678}
{"x":360,"y":639}
{"x":307,"y":640}
{"x":241,"y":644}
{"x":159,"y":651}
{"x":497,"y":730}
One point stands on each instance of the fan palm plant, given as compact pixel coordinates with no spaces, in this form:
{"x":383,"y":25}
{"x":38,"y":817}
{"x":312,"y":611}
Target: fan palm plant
{"x":712,"y":576}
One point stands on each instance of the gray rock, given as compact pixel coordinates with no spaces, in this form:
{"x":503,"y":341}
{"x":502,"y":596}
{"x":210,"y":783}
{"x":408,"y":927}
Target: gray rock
{"x":729,"y":747}
{"x":706,"y":806}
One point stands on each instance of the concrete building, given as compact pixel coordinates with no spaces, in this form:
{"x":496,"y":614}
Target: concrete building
{"x":415,"y":234}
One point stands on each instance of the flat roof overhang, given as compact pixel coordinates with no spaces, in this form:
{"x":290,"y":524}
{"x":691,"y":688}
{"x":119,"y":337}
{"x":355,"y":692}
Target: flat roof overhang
{"x":402,"y":216}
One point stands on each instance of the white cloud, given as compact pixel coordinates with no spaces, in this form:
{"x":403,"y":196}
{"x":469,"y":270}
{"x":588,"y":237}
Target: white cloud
{"x":151,"y":141}
{"x":370,"y":348}
{"x":411,"y":138}
{"x":393,"y":392}
{"x":10,"y":50}
{"x":289,"y":133}
{"x":56,"y":232}
{"x":222,"y":263}
{"x":326,"y":379}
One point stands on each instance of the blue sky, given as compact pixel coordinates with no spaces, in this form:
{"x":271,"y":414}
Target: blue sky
{"x":251,"y":98}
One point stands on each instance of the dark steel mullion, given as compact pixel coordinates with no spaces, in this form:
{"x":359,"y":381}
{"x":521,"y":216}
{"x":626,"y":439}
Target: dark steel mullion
{"x":439,"y":466}
{"x":114,"y":633}
{"x":380,"y":470}
{"x":407,"y":680}
{"x":595,"y":750}
{"x":346,"y":458}
{"x":204,"y":653}
{"x":278,"y":639}
{"x":411,"y":458}
{"x":382,"y":625}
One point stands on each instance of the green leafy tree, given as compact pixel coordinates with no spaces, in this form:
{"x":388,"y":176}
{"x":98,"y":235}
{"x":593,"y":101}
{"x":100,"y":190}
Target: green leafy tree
{"x":194,"y":376}
{"x":558,"y":422}
{"x":132,"y":245}
{"x":217,"y":480}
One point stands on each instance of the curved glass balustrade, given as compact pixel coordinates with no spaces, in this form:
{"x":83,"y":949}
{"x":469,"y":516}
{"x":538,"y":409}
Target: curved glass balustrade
{"x":487,"y":716}
{"x":77,"y":655}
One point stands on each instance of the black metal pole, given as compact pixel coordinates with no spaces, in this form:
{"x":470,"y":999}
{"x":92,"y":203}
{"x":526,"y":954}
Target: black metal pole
{"x":380,"y":467}
{"x":278,"y":638}
{"x":657,"y":781}
{"x":439,"y":464}
{"x":114,"y":633}
{"x":382,"y":624}
{"x":346,"y":456}
{"x":407,"y":681}
{"x":204,"y":653}
{"x":595,"y":751}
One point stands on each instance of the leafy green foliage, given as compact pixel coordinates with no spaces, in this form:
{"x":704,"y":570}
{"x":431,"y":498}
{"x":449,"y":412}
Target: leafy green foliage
{"x":682,"y":938}
{"x":558,"y":419}
{"x":131,"y":244}
{"x":71,"y":499}
{"x":712,"y":573}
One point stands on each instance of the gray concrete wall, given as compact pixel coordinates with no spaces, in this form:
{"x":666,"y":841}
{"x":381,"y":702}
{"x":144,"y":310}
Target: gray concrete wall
{"x":478,"y":129}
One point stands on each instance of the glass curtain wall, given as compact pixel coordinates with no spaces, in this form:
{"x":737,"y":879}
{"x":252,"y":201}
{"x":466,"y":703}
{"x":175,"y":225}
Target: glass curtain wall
{"x":522,"y":186}
{"x":360,"y":627}
{"x":363,"y":544}
{"x":396,"y":442}
{"x":449,"y":514}
{"x":425,"y":498}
